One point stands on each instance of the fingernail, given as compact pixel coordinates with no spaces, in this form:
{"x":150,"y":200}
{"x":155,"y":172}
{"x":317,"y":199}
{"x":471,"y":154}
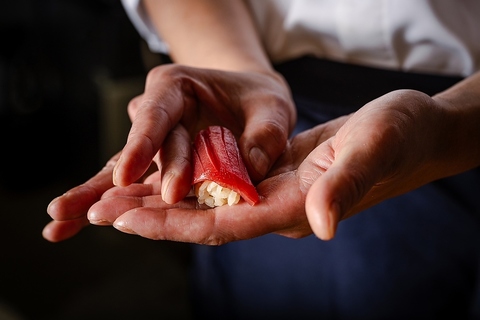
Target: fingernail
{"x":259,"y":160}
{"x":94,"y":218}
{"x":100,"y":222}
{"x":166,"y":181}
{"x":115,"y":174}
{"x":114,"y":178}
{"x":333,"y":217}
{"x":122,"y":226}
{"x":52,"y":203}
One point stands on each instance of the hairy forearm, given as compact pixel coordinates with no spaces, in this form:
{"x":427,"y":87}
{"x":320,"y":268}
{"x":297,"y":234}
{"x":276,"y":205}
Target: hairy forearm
{"x":462,"y":136}
{"x":209,"y":34}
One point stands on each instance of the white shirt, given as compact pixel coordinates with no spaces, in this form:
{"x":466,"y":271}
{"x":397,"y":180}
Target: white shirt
{"x":433,"y":36}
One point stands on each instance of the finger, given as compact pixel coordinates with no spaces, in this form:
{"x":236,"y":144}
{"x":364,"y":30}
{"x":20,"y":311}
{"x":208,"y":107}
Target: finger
{"x":211,"y":226}
{"x":75,"y":202}
{"x":106,"y":211}
{"x":69,"y":210}
{"x":265,"y":135}
{"x":153,"y":178}
{"x":175,"y":163}
{"x":159,"y":110}
{"x":134,"y":190}
{"x":302,"y":144}
{"x":195,"y":225}
{"x":57,"y":231}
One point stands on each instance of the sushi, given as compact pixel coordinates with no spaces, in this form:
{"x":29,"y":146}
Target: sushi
{"x":219,"y":174}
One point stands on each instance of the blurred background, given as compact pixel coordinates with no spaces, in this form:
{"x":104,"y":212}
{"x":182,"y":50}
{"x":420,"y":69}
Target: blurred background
{"x":67,"y":71}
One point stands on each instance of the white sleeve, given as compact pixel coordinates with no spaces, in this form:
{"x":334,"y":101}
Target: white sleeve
{"x":139,"y":18}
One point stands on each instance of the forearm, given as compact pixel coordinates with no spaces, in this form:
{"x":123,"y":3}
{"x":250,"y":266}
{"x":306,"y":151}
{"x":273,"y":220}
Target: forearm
{"x":462,"y":135}
{"x":209,"y":34}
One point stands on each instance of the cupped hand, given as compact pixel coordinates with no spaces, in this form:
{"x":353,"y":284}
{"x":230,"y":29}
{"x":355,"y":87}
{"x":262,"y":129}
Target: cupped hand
{"x":139,"y":208}
{"x":177,"y":102}
{"x":255,"y":106}
{"x":392,"y":145}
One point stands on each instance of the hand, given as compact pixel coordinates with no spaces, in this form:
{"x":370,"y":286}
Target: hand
{"x":139,"y":208}
{"x":256,"y":106}
{"x":392,"y":145}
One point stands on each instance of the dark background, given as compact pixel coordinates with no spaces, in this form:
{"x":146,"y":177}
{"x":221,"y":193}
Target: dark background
{"x":67,"y":72}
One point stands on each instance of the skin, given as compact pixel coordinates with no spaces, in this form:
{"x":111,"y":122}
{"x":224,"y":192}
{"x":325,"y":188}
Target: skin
{"x":392,"y":145}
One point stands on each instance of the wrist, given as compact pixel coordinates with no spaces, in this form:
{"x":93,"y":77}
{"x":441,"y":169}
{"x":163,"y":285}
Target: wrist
{"x":460,"y":136}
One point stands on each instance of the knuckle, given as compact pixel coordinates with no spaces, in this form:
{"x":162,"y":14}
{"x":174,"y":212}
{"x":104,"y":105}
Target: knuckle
{"x":170,"y":72}
{"x":216,"y":236}
{"x":274,"y":133}
{"x":132,"y":107}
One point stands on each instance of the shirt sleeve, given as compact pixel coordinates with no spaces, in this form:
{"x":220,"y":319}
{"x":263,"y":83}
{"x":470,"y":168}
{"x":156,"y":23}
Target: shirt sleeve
{"x":141,"y":21}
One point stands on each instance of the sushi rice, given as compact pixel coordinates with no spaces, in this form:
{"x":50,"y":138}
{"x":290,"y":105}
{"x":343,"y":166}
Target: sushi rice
{"x":214,"y":195}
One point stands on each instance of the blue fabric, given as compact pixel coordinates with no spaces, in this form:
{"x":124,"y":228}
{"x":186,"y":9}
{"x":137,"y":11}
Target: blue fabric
{"x":414,"y":256}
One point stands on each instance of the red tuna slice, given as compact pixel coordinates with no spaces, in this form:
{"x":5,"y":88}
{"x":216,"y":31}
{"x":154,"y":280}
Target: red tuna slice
{"x":216,"y":158}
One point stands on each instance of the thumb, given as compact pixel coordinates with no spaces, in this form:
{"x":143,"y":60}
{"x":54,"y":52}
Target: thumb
{"x":342,"y":185}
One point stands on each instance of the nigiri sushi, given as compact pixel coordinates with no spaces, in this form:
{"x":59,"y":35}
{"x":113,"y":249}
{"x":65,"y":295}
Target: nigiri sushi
{"x":219,"y":175}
